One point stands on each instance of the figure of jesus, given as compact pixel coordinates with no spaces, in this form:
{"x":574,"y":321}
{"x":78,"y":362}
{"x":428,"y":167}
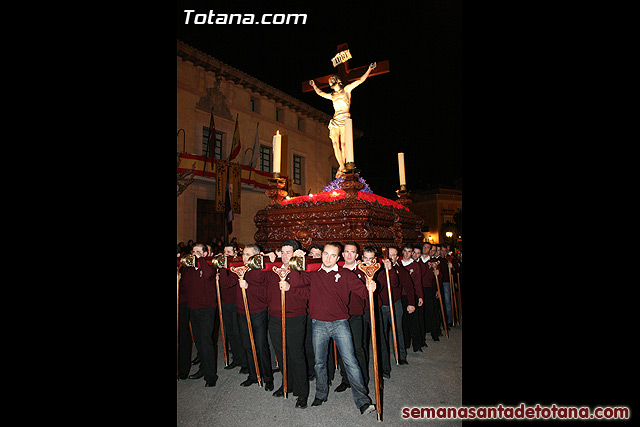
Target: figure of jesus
{"x":341,"y":98}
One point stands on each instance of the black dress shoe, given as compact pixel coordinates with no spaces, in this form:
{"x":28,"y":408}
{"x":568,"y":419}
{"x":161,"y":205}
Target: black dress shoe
{"x":418,"y":350}
{"x":196,"y":360}
{"x":231,"y":365}
{"x":312,"y":377}
{"x":268,"y":386}
{"x":183,"y":377}
{"x":367,"y":407}
{"x":248,"y":382}
{"x":403,"y":362}
{"x":301,"y":402}
{"x":317,"y":402}
{"x":279,"y":392}
{"x":244,"y":370}
{"x":210,"y":384}
{"x":386,"y":375}
{"x":197,"y":375}
{"x":436,"y":339}
{"x":342,"y":387}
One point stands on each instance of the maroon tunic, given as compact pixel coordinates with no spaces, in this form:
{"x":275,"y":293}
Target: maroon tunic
{"x":428,"y":279}
{"x":228,"y":284}
{"x":415,"y":271}
{"x":381,"y":280}
{"x":406,"y":284}
{"x":199,"y":285}
{"x":329,"y":292}
{"x":295,"y":302}
{"x":256,"y":292}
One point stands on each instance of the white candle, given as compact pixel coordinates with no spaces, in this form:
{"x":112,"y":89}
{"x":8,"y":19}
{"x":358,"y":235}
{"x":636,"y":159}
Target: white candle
{"x":349,"y":142}
{"x":403,"y":179}
{"x":277,"y":151}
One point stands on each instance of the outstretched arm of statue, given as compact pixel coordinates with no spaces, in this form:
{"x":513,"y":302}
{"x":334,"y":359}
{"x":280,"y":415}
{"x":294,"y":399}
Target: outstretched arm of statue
{"x":318,"y":91}
{"x":355,"y":84}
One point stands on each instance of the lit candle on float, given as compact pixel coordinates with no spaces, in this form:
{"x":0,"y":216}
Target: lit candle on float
{"x":403,"y":179}
{"x":277,"y":152}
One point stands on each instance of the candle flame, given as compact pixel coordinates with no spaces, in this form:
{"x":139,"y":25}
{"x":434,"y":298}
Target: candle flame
{"x":278,"y":132}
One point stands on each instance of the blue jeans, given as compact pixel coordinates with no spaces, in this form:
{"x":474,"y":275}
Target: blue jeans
{"x":446,"y":288}
{"x":341,"y":334}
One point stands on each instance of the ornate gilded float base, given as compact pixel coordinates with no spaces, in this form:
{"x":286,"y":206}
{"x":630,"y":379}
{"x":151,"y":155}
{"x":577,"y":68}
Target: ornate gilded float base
{"x":345,"y":219}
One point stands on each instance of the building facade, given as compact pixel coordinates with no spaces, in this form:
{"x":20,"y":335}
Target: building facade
{"x":206,"y":85}
{"x":436,"y":207}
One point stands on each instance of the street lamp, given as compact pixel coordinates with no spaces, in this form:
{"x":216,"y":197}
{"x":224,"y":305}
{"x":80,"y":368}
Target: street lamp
{"x":449,"y":234}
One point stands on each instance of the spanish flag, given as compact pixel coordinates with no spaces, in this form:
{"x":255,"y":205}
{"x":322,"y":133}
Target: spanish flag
{"x":235,"y":145}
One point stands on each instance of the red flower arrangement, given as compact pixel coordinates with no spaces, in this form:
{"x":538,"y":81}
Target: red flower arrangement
{"x":329,"y":196}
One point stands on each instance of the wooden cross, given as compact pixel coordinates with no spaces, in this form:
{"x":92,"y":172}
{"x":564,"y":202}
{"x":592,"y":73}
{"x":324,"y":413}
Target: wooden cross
{"x":346,"y":75}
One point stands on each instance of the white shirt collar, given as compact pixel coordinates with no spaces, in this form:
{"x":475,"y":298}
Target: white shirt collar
{"x":334,"y":268}
{"x":407,"y":262}
{"x":425,"y":259}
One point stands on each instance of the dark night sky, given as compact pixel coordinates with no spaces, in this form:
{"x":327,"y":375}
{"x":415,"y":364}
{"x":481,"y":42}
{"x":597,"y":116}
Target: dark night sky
{"x":416,"y":108}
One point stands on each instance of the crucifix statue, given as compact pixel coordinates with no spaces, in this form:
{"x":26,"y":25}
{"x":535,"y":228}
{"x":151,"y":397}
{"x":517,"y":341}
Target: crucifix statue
{"x":342,"y":83}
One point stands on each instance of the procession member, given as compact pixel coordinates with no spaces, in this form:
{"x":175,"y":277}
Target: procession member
{"x":228,"y":293}
{"x":200,"y":287}
{"x":429,"y":291}
{"x":296,"y":320}
{"x":407,"y":302}
{"x":356,"y":308}
{"x":415,"y":254}
{"x":434,"y":255}
{"x":446,"y":286}
{"x":330,"y":287}
{"x":315,"y":251}
{"x":412,"y":320}
{"x":369,"y":258}
{"x":255,"y":285}
{"x":385,"y":331}
{"x":184,"y":335}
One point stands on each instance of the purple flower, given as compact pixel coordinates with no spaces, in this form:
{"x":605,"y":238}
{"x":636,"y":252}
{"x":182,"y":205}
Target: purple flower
{"x":335,"y":185}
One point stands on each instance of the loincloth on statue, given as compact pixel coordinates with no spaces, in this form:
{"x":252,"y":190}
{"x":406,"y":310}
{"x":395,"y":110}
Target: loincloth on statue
{"x":339,"y":120}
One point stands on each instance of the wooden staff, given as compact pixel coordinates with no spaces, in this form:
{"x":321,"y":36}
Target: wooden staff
{"x":240,"y":271}
{"x":434,"y":267}
{"x":385,"y":254}
{"x":283,"y":273}
{"x":284,"y":343}
{"x":178,"y":323}
{"x":224,"y":343}
{"x":459,"y":294}
{"x":369,"y":271}
{"x":335,"y":353}
{"x":453,"y":295}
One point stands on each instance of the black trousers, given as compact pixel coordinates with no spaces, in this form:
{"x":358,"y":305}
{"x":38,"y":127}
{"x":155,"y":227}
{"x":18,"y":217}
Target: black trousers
{"x":259,"y":327}
{"x":381,"y":343}
{"x":356,"y":324}
{"x":232,"y":334}
{"x":410,"y":326}
{"x":202,"y":324}
{"x":297,"y":374}
{"x":184,"y":340}
{"x":430,"y":312}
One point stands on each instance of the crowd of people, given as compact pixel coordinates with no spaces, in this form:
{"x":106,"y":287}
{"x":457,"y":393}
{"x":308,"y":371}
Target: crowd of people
{"x":327,"y":309}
